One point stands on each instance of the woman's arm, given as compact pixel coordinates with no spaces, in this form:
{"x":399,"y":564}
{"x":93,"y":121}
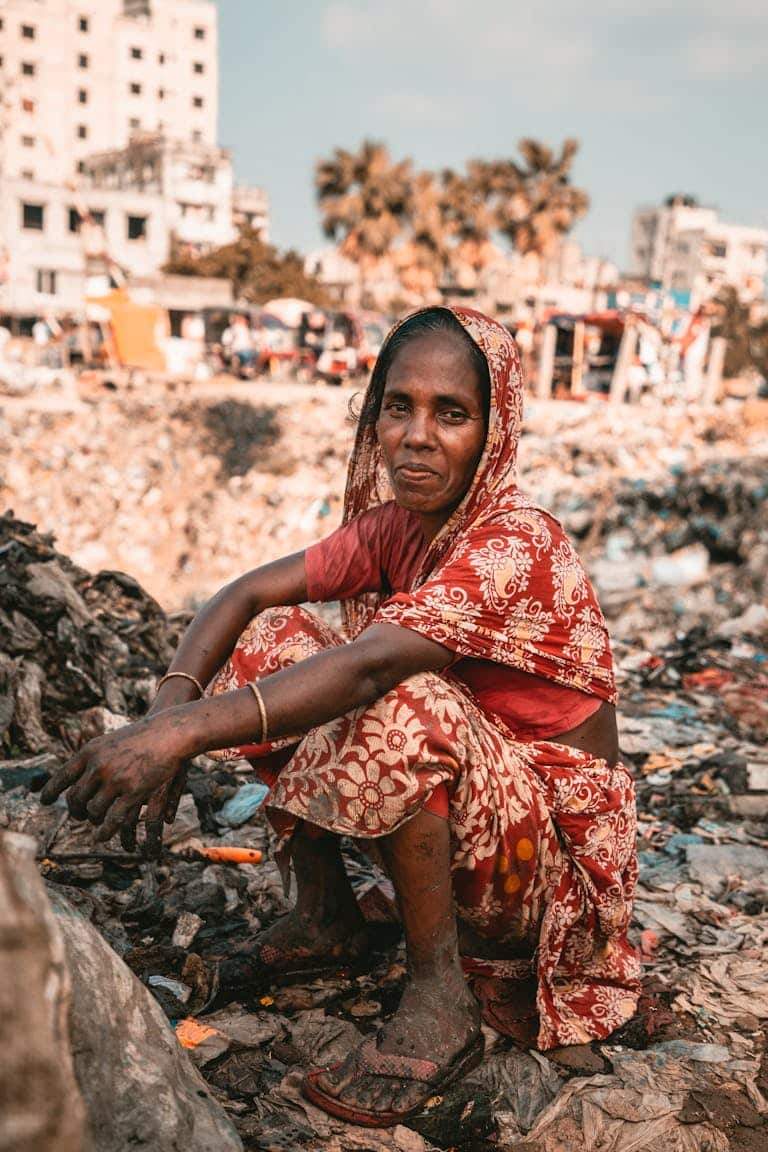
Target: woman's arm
{"x":212,"y":635}
{"x":111,"y":777}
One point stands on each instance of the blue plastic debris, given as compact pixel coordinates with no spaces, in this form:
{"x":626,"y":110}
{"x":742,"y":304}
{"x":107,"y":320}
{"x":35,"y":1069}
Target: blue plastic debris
{"x":240,"y":807}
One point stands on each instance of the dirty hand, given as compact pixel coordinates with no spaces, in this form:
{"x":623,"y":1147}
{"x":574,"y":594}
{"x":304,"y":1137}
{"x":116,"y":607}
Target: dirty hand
{"x":113,"y":776}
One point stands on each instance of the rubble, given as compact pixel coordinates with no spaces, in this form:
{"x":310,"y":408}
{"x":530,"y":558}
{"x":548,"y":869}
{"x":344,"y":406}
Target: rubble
{"x":685,"y":495}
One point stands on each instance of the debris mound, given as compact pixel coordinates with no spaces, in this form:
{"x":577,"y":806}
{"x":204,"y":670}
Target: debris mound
{"x":73,"y":644}
{"x":238,"y":433}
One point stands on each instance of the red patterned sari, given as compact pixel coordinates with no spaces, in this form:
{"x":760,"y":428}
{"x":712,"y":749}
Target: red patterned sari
{"x":543,"y":835}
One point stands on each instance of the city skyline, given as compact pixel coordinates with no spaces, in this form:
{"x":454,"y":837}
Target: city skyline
{"x":662,"y":101}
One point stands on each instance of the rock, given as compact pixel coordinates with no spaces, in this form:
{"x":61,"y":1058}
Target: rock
{"x":139,"y":1087}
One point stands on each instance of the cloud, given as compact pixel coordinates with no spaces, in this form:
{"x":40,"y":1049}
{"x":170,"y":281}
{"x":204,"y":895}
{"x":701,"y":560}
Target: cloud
{"x":348,"y":25}
{"x":415,"y":107}
{"x":545,"y":47}
{"x":713,"y":56}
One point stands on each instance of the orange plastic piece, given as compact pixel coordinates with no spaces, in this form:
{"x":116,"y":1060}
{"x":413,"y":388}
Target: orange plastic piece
{"x":190,"y":1032}
{"x":228,"y":854}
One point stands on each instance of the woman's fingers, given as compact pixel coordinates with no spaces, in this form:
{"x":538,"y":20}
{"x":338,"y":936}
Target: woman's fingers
{"x":153,"y":821}
{"x":80,"y":794}
{"x":99,"y":804}
{"x":120,"y":813}
{"x":128,"y":830}
{"x":68,"y":774}
{"x":175,"y":792}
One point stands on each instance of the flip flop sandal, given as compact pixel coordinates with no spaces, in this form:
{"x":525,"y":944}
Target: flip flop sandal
{"x":249,"y":973}
{"x":372,"y":1062}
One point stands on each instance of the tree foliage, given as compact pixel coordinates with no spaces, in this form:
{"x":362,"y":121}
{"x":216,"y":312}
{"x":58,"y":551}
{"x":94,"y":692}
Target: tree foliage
{"x":747,"y":347}
{"x":439,"y":227}
{"x":257,"y":271}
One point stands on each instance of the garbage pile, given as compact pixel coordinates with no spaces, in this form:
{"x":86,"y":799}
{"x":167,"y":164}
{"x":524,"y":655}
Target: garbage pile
{"x":185,"y":492}
{"x":670,"y":518}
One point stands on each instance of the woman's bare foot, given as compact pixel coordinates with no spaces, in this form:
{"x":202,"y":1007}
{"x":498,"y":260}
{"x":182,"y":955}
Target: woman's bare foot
{"x":310,"y":938}
{"x":436,"y":1020}
{"x":326,"y":928}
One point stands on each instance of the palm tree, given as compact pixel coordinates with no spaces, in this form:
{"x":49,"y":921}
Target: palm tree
{"x":535,"y":203}
{"x":422,"y":259}
{"x":364,"y":198}
{"x":468,"y":221}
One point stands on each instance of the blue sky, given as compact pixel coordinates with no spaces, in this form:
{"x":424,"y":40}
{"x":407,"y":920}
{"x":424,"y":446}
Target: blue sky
{"x":664,"y":96}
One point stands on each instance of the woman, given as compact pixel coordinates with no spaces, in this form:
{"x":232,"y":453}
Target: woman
{"x":468,"y":728}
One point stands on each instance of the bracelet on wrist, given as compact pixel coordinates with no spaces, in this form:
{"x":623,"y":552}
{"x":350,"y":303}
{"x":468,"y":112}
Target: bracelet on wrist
{"x":182,"y":676}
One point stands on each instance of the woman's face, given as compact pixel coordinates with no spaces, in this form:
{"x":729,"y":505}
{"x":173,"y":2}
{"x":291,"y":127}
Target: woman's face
{"x":431,"y":426}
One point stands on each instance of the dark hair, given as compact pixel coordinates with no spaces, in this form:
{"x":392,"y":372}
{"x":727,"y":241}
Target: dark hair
{"x":421,"y":324}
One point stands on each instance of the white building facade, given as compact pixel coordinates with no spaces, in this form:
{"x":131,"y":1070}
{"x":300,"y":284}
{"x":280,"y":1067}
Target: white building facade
{"x":686,"y":249}
{"x":109,"y":108}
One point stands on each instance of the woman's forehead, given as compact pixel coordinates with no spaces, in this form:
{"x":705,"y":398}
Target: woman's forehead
{"x":433,"y":353}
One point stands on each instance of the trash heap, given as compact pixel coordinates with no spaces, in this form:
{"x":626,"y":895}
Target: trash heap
{"x":690,"y":1072}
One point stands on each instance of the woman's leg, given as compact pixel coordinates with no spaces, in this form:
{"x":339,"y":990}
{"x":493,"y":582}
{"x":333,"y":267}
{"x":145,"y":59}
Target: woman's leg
{"x":326,"y":922}
{"x":438,"y":1015}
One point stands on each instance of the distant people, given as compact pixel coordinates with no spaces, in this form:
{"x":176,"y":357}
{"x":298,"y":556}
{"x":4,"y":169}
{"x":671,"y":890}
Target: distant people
{"x":238,"y":343}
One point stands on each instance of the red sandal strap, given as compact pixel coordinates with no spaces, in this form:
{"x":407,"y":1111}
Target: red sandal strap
{"x":377,"y":1063}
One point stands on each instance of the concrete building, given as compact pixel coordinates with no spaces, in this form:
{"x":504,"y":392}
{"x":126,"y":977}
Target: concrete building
{"x":83,"y":76}
{"x":687,"y":250}
{"x":108,"y":145}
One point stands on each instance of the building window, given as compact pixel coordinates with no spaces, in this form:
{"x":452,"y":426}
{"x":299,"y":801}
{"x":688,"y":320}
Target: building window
{"x":27,"y":69}
{"x":28,"y":31}
{"x":161,"y":93}
{"x":82,"y":60}
{"x":27,"y":174}
{"x":82,"y":132}
{"x":137,"y":54}
{"x":137,"y":228}
{"x":199,"y":33}
{"x":719,"y":251}
{"x":134,"y":124}
{"x":27,"y":141}
{"x":82,"y":96}
{"x":28,"y":105}
{"x":33,"y":217}
{"x":45,"y":281}
{"x":80,"y":167}
{"x":197,"y":136}
{"x":198,"y":67}
{"x":135,"y":89}
{"x":197,"y":101}
{"x":161,"y":58}
{"x":96,"y":216}
{"x":82,"y":24}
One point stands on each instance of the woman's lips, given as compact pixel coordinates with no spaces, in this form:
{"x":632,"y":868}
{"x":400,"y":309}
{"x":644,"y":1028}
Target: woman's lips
{"x":415,"y":474}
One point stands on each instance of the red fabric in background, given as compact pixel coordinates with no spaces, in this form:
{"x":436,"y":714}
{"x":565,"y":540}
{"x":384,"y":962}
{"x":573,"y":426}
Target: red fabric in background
{"x":381,"y":551}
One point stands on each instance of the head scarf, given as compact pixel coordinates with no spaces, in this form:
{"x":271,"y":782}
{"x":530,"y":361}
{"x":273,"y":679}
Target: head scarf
{"x":500,"y":581}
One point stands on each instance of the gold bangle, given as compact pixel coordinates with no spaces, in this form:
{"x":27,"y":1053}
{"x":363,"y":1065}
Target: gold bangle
{"x":262,"y":709}
{"x":183,"y":676}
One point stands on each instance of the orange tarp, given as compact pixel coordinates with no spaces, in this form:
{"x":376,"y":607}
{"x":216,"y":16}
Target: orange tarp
{"x":137,"y":330}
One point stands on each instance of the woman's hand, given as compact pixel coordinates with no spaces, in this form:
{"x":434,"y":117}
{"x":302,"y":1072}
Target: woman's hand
{"x":112,"y":776}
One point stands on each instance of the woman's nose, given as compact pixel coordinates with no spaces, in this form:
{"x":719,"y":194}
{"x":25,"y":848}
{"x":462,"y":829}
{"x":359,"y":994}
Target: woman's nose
{"x":419,"y":432}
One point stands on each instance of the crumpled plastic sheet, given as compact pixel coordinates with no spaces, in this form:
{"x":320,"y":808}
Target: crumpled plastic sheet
{"x":725,"y":988}
{"x":636,"y":1108}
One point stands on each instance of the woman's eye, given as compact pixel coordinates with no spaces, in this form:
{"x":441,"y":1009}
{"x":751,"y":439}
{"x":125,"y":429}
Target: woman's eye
{"x":454,"y":415}
{"x":397,"y":407}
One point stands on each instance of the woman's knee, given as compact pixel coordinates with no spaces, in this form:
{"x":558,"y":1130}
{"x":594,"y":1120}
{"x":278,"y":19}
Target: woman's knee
{"x":288,"y":634}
